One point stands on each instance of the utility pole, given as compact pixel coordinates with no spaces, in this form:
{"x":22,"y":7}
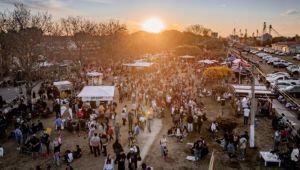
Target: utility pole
{"x":253,"y":110}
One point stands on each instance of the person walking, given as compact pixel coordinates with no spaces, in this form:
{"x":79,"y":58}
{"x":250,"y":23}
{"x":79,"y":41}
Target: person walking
{"x":130,"y":119}
{"x":163,"y":147}
{"x":45,"y":139}
{"x":92,"y":131}
{"x":213,"y":129}
{"x":58,"y":123}
{"x":230,"y":150}
{"x":246,"y":115}
{"x":136,"y":132}
{"x":190,"y":121}
{"x":95,"y":143}
{"x":104,"y":143}
{"x":277,"y":140}
{"x":117,"y":130}
{"x":294,"y":157}
{"x":149,"y":119}
{"x":132,"y":159}
{"x":121,"y":159}
{"x":108,"y":163}
{"x":242,"y":147}
{"x":117,"y":147}
{"x":124,"y":117}
{"x":19,"y":136}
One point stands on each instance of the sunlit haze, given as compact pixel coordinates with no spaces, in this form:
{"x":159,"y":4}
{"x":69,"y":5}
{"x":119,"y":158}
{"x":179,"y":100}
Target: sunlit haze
{"x":219,"y":15}
{"x":153,"y":25}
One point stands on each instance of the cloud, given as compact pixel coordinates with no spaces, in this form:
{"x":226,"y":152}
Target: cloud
{"x":38,"y":4}
{"x":100,"y":1}
{"x":291,"y":12}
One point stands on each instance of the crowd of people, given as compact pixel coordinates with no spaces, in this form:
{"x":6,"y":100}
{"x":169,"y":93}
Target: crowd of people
{"x":159,"y":92}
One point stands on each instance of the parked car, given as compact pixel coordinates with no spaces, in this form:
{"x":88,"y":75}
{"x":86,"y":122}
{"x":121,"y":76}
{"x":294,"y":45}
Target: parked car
{"x":294,"y":69}
{"x":271,"y":60}
{"x":261,"y":54}
{"x":281,"y":53}
{"x":294,"y":89}
{"x":281,"y":63}
{"x":296,"y":57}
{"x":266,"y":58}
{"x":281,"y":85}
{"x":285,"y":83}
{"x":277,"y":74}
{"x":277,"y":78}
{"x":253,"y":51}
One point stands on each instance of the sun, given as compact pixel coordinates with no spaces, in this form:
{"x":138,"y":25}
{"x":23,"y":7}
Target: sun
{"x":153,"y":25}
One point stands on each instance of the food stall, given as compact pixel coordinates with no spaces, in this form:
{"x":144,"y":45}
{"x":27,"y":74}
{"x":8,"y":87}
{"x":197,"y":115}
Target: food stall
{"x":97,"y":94}
{"x":263,"y":95}
{"x":65,"y":88}
{"x":95,"y":78}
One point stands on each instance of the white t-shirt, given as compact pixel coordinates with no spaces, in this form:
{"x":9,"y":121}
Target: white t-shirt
{"x":70,"y":157}
{"x":295,"y":154}
{"x":163,"y":142}
{"x":246,"y":112}
{"x":168,"y":98}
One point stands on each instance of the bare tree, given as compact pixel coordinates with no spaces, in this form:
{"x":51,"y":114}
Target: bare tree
{"x":198,"y":30}
{"x":21,"y":37}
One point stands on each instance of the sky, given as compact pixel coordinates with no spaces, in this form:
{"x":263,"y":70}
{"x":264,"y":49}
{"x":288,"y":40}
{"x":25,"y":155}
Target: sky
{"x":221,"y":16}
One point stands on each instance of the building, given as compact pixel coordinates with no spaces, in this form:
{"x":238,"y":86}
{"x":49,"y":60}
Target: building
{"x":287,"y":47}
{"x":214,"y":34}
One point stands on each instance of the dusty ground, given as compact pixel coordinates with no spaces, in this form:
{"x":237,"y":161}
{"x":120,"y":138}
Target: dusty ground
{"x":177,"y":151}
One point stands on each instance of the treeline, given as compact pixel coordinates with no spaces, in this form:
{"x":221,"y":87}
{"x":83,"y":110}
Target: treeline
{"x":25,"y":36}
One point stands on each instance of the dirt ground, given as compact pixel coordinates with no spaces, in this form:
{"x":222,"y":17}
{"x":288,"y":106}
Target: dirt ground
{"x":177,"y":151}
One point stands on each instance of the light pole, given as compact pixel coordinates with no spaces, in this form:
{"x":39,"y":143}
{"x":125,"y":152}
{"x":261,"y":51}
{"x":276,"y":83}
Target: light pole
{"x":253,"y":110}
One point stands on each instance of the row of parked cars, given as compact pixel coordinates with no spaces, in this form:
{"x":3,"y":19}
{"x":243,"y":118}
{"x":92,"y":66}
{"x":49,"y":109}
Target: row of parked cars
{"x":278,"y":62}
{"x":275,"y":61}
{"x":283,"y":82}
{"x":270,"y":51}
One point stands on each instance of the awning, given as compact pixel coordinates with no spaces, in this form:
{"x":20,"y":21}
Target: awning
{"x":187,"y":57}
{"x":97,"y":93}
{"x":245,"y":90}
{"x":206,"y":61}
{"x":94,"y":74}
{"x":138,"y":64}
{"x":63,"y":85}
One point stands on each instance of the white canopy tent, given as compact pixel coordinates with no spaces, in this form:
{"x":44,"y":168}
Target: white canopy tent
{"x":97,"y":93}
{"x":138,"y":64}
{"x":94,"y":74}
{"x":206,"y":61}
{"x":63,"y":85}
{"x":94,"y":78}
{"x":187,"y":57}
{"x":259,"y":90}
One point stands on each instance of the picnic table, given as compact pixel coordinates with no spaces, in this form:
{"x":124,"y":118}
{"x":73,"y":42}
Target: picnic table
{"x":269,"y":157}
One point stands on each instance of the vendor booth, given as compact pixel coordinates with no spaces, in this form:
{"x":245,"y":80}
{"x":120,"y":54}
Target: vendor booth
{"x":263,"y":95}
{"x":97,"y":94}
{"x":140,"y":64}
{"x":95,"y":98}
{"x":94,"y":78}
{"x":187,"y":57}
{"x":65,"y":88}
